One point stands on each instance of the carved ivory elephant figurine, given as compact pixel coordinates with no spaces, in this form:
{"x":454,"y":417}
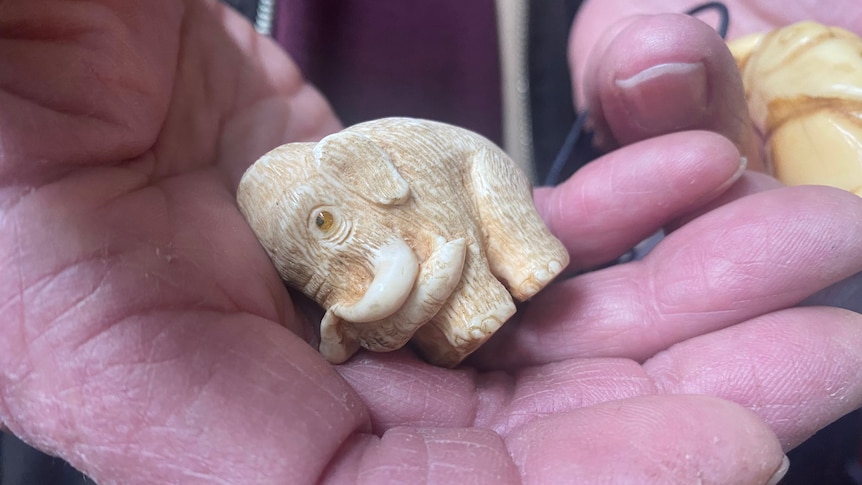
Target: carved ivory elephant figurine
{"x":402,"y":228}
{"x":803,"y":85}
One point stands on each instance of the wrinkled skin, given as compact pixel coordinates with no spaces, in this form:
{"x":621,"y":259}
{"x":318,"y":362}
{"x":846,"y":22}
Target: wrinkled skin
{"x":146,"y":337}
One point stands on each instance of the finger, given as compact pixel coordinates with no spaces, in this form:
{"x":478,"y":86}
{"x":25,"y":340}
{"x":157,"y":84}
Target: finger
{"x":545,"y":411}
{"x":659,"y":74}
{"x":746,"y":17}
{"x":615,"y":202}
{"x":749,"y":183}
{"x":691,"y":439}
{"x":54,"y":54}
{"x":425,"y":455}
{"x":126,"y":88}
{"x":265,"y":110}
{"x":762,"y":253}
{"x":400,"y":390}
{"x":798,"y":369}
{"x":261,"y":100}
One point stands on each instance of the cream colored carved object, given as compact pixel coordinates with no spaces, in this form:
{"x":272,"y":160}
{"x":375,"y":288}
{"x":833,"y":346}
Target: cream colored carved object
{"x":803,"y":84}
{"x":402,"y":229}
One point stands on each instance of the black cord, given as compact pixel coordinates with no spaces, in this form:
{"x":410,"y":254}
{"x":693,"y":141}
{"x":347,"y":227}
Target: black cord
{"x":566,"y":151}
{"x":723,"y":14}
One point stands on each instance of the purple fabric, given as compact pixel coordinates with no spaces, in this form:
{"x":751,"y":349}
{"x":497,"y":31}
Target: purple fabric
{"x":434,"y":59}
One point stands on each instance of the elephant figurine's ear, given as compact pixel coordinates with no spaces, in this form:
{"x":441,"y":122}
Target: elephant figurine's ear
{"x":362,"y":165}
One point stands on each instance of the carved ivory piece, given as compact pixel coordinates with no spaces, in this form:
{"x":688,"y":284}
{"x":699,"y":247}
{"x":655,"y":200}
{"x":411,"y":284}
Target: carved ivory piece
{"x":803,"y":84}
{"x":402,"y":228}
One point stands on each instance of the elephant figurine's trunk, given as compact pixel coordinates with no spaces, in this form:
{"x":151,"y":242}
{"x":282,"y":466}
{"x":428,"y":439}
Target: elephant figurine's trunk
{"x":395,"y":271}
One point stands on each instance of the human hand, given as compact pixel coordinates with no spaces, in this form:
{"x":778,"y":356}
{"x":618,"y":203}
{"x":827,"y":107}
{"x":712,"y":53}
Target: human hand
{"x":147,"y":339}
{"x":641,"y":74}
{"x":708,"y":96}
{"x":139,"y":336}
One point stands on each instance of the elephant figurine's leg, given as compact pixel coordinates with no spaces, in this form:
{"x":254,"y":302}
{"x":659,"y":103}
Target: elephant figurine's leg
{"x":474,"y":311}
{"x":438,"y":277}
{"x":521,"y":251}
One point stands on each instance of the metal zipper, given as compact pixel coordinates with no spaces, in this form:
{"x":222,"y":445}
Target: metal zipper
{"x":264,"y":17}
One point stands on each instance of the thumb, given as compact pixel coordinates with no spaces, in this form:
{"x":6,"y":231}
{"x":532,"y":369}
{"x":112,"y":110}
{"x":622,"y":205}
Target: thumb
{"x":652,"y":75}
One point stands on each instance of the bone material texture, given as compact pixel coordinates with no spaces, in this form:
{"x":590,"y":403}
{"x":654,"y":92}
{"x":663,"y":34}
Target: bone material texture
{"x":402,"y":229}
{"x":803,"y":84}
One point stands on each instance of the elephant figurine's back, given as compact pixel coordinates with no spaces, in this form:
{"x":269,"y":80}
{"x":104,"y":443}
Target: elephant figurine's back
{"x":402,"y":229}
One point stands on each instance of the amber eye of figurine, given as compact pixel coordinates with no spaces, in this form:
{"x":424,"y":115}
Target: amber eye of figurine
{"x":324,"y":220}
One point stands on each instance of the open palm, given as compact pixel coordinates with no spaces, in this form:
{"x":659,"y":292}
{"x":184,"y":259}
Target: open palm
{"x":146,"y":338}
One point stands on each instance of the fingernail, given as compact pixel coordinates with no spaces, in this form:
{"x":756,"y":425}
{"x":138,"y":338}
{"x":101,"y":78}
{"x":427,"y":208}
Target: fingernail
{"x":782,"y":470}
{"x":666,"y":97}
{"x":743,"y":165}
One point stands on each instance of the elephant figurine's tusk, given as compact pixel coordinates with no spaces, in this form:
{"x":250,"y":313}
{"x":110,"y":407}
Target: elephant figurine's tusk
{"x":395,"y":271}
{"x":438,"y":276}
